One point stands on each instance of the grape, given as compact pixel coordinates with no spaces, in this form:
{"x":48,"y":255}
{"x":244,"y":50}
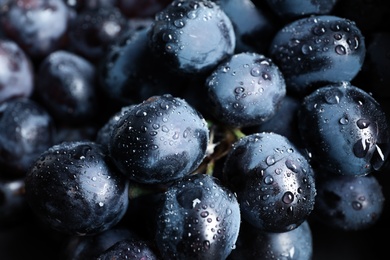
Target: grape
{"x":76,"y":177}
{"x":305,"y":178}
{"x":17,"y":75}
{"x":159,"y":140}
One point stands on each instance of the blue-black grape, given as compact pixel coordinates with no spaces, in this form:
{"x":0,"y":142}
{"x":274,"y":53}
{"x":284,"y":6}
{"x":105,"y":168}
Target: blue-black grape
{"x":26,"y":130}
{"x":159,"y":140}
{"x":94,"y":29}
{"x":199,"y":219}
{"x":66,"y":87}
{"x":318,"y":50}
{"x":348,"y":202}
{"x":344,"y":129}
{"x":245,"y":90}
{"x":178,"y":36}
{"x":135,"y":67}
{"x":273,"y":180}
{"x":74,"y":188}
{"x":16,"y":73}
{"x":38,"y":26}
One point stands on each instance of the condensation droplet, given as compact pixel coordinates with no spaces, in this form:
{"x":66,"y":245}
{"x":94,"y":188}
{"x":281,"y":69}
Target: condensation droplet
{"x":290,"y":164}
{"x":306,"y":49}
{"x":332,"y":96}
{"x":204,"y":214}
{"x":239,"y":90}
{"x":363,"y":123}
{"x":344,"y":120}
{"x":356,"y":205}
{"x":288,"y":197}
{"x":268,"y":179}
{"x":255,"y":71}
{"x":270,"y":160}
{"x":340,"y":49}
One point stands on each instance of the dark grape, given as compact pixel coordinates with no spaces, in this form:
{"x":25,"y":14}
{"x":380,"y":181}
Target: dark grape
{"x":199,"y":219}
{"x":159,"y":140}
{"x":344,"y":129}
{"x":94,"y":29}
{"x":178,"y":36}
{"x":76,"y":177}
{"x":349,"y":202}
{"x":318,"y":50}
{"x":66,"y":86}
{"x":246,"y":89}
{"x":16,"y":73}
{"x":38,"y":26}
{"x":26,"y":130}
{"x":273,"y":180}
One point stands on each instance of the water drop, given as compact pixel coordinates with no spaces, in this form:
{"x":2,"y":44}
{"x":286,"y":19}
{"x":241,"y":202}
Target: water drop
{"x":290,"y":164}
{"x":340,"y":49}
{"x":165,"y":129}
{"x":270,"y":160}
{"x":179,"y":23}
{"x":239,"y":90}
{"x":338,"y":36}
{"x":319,"y":30}
{"x":268,"y":179}
{"x":360,"y":148}
{"x":255,"y":71}
{"x":266,"y":76}
{"x":332,"y":96}
{"x":306,"y":49}
{"x":335,"y":27}
{"x":204,"y":214}
{"x":363,"y":123}
{"x":228,"y":212}
{"x":288,"y":197}
{"x":206,"y":244}
{"x":278,"y":171}
{"x":344,"y":120}
{"x":356,"y":205}
{"x":141,"y":113}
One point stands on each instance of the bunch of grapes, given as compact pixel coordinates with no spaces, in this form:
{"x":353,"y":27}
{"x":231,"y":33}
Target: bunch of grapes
{"x":193,"y":129}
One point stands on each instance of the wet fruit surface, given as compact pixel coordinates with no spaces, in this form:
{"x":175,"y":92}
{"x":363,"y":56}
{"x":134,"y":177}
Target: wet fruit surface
{"x":318,"y":50}
{"x":159,"y":140}
{"x":344,"y":129}
{"x":194,"y":129}
{"x":274,"y":182}
{"x":76,"y":177}
{"x":199,"y":218}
